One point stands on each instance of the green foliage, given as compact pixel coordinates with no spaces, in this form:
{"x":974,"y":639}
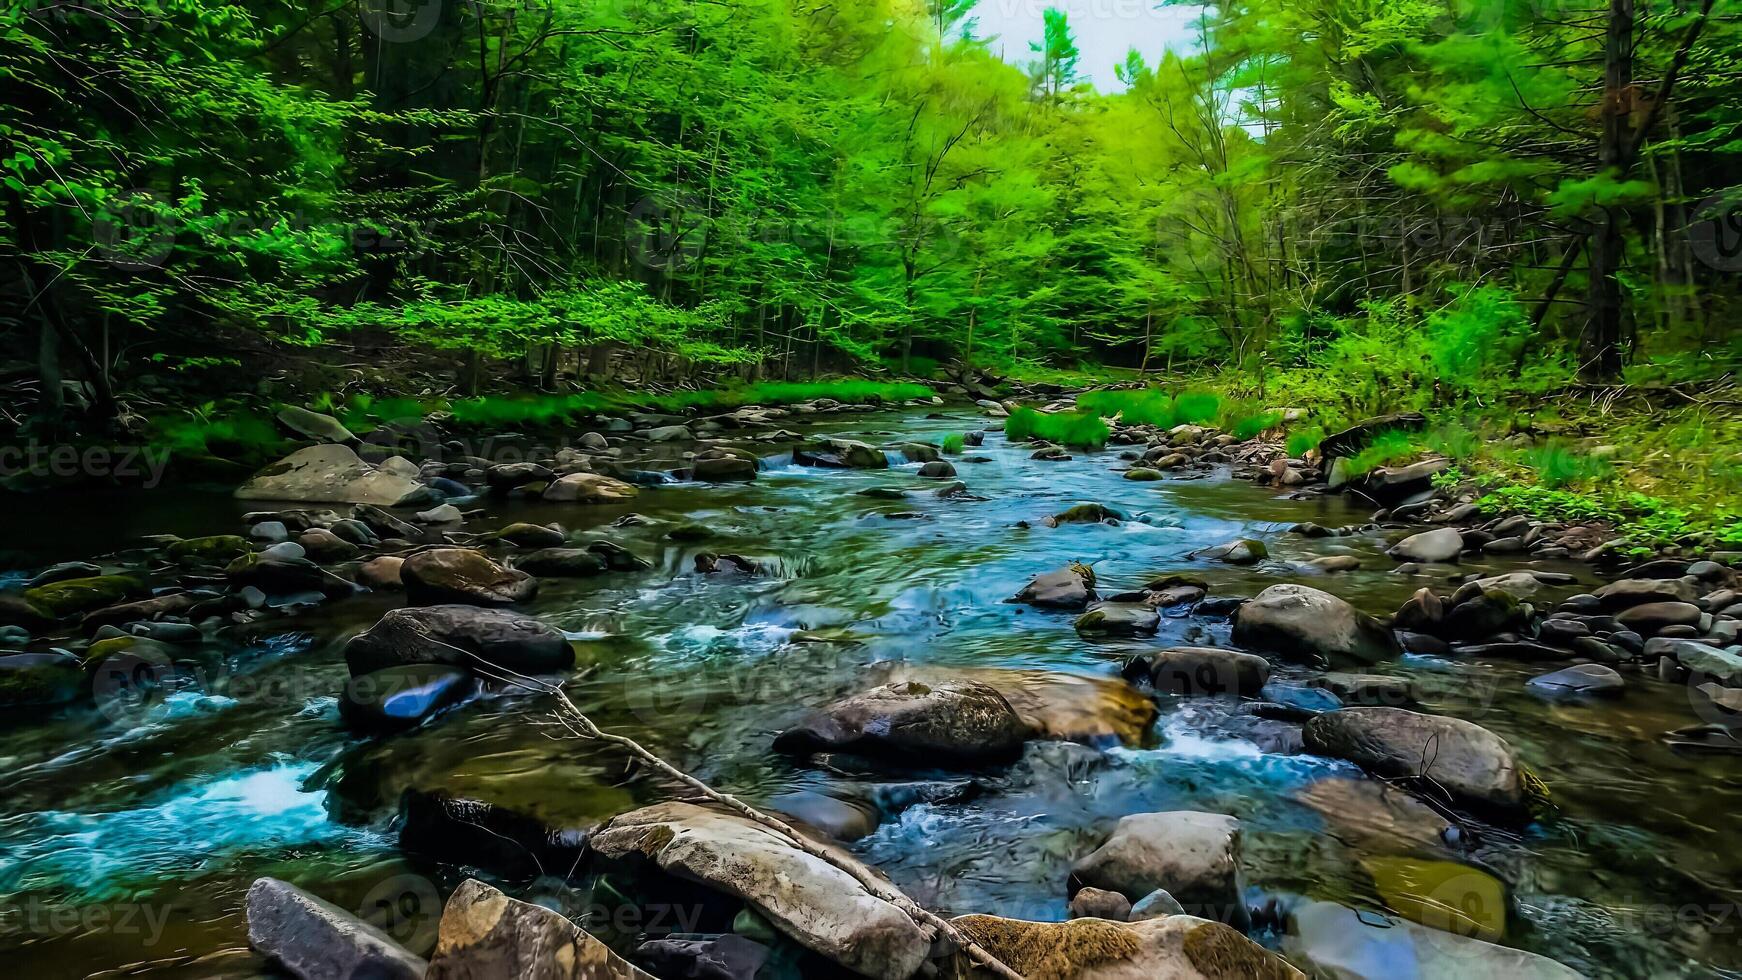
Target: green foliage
{"x":1065,"y":428}
{"x":1198,"y":407}
{"x":954,"y":443}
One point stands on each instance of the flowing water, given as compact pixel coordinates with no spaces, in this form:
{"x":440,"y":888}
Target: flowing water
{"x":128,"y":837}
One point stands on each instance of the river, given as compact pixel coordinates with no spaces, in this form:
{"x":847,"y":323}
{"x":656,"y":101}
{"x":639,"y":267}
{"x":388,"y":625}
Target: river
{"x":129,"y":837}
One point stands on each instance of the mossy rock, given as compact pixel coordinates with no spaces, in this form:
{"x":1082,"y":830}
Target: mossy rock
{"x":215,"y":549}
{"x":1142,"y":473}
{"x":1088,"y":514}
{"x":690,"y":532}
{"x":37,"y":680}
{"x":77,"y":595}
{"x":140,"y":647}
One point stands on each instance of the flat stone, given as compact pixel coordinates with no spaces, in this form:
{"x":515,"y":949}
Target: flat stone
{"x":1583,"y":680}
{"x":332,"y":474}
{"x":485,"y":935}
{"x":313,"y":939}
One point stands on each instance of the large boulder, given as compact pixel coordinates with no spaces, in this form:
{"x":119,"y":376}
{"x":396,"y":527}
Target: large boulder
{"x":1307,"y":625}
{"x":1335,"y":941}
{"x":1194,"y":856}
{"x":718,"y":469}
{"x":589,"y":488}
{"x":811,"y":900}
{"x":1356,"y":437}
{"x":312,"y":939}
{"x":1646,"y":618}
{"x":1448,"y":756}
{"x":1172,"y":947}
{"x":459,"y":635}
{"x":333,"y":474}
{"x":1071,"y":587}
{"x":444,"y":575}
{"x":951,"y":723}
{"x":1202,"y":672}
{"x":1439,"y":545}
{"x":485,"y":935}
{"x":1392,"y":485}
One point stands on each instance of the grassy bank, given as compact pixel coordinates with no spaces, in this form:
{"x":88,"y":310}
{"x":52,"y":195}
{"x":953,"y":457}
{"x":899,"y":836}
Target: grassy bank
{"x":1665,"y":475}
{"x":248,"y":433}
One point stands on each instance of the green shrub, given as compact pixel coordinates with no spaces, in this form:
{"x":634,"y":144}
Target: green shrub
{"x":1556,"y":464}
{"x":1252,"y":425}
{"x":1387,"y":447}
{"x":1064,"y":428}
{"x":1198,"y":407}
{"x":1138,"y":406}
{"x":1305,"y":441}
{"x":954,"y":442}
{"x":1453,"y":440}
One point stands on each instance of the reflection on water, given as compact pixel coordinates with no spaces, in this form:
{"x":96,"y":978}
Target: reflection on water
{"x":249,"y":773}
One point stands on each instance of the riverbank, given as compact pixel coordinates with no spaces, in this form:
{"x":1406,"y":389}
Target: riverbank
{"x":731,"y":597}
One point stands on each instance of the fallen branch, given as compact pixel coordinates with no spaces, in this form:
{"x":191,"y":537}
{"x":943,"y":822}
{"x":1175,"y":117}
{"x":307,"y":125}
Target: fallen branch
{"x":576,"y":722}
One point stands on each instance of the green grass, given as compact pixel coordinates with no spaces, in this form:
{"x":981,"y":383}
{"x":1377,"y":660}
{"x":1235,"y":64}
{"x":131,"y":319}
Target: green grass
{"x":1064,"y":428}
{"x":1198,"y":407}
{"x":953,"y":443}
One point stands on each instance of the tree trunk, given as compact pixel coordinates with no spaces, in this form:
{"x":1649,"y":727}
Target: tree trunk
{"x":1600,"y":345}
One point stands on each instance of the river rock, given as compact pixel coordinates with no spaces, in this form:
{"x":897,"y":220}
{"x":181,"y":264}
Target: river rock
{"x":440,"y":514}
{"x":1194,"y":855}
{"x":1483,"y":615}
{"x":1392,"y":485}
{"x":842,"y":454}
{"x":333,"y":474}
{"x":562,"y":563}
{"x":1098,"y":903}
{"x":381,"y":573}
{"x":1628,"y":592}
{"x":1203,"y":672}
{"x":1119,"y":619}
{"x":1373,"y":816}
{"x":1368,"y":690}
{"x":589,"y":488}
{"x":938,"y":469}
{"x":812,"y":901}
{"x":1245,"y":551}
{"x":507,"y":476}
{"x":961,"y":723}
{"x":402,"y":697}
{"x":527,"y":535}
{"x":1071,"y":587}
{"x":484,"y":935}
{"x":325,"y":546}
{"x":1475,"y":766}
{"x":459,"y":635}
{"x":1335,"y":941}
{"x":1305,"y":624}
{"x":1085,"y":514}
{"x":1439,"y":545}
{"x":312,"y":939}
{"x":314,"y":425}
{"x":447,"y":575}
{"x":1175,"y":947}
{"x":1708,"y":662}
{"x":1650,"y":617}
{"x":726,"y":957}
{"x":1583,"y":680}
{"x":216,"y":549}
{"x":69,"y":597}
{"x":722,"y":469}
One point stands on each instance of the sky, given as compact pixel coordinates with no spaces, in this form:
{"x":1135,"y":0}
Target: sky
{"x":1104,"y":29}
